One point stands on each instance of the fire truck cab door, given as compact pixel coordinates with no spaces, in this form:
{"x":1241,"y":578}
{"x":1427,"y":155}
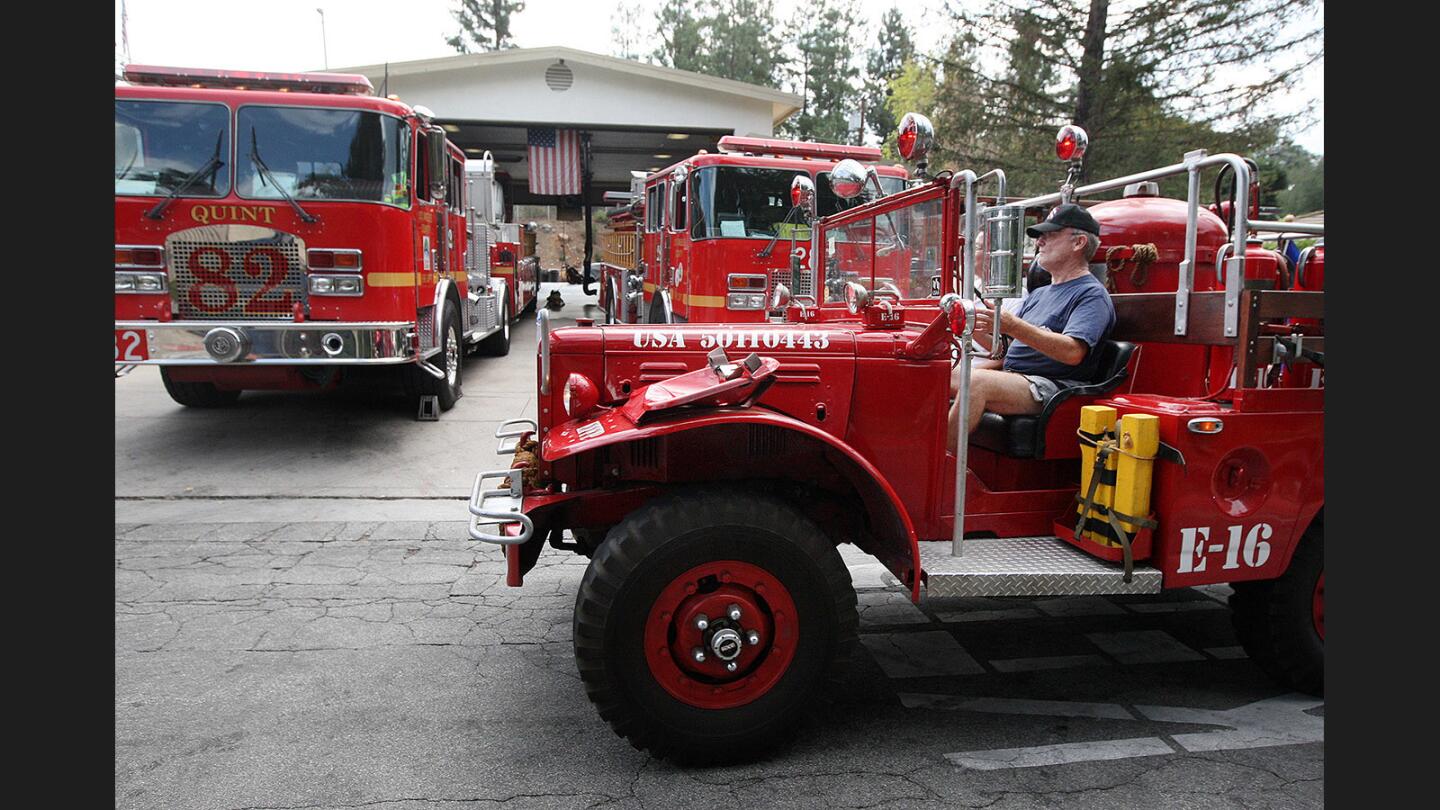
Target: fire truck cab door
{"x":677,"y":252}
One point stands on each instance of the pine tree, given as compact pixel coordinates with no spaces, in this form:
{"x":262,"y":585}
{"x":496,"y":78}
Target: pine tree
{"x":883,"y":65}
{"x":825,"y":72}
{"x":741,"y":44}
{"x":484,"y":24}
{"x":680,"y":35}
{"x":1147,"y":81}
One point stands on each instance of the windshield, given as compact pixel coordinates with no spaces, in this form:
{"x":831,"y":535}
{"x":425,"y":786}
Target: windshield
{"x":898,"y":251}
{"x":748,"y":202}
{"x":158,"y":144}
{"x":322,"y":154}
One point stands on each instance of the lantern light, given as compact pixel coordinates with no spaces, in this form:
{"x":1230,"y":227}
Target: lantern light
{"x":1070,"y":142}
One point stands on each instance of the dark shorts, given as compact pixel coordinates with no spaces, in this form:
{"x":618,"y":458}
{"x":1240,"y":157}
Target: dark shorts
{"x":1042,"y":388}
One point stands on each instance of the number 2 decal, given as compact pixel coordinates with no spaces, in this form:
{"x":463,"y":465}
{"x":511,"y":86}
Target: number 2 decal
{"x":1252,"y":547}
{"x":130,"y":350}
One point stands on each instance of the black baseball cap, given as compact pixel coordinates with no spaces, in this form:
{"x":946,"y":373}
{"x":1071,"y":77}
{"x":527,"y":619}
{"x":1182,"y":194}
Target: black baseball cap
{"x":1068,"y":215}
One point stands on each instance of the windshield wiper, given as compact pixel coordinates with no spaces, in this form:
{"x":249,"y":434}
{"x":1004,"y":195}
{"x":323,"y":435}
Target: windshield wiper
{"x":770,"y":246}
{"x":269,"y":179}
{"x":213,"y":164}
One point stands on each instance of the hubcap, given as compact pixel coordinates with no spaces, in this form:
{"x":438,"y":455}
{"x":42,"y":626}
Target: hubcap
{"x":452,"y":357}
{"x":1317,"y":606}
{"x":705,"y":658}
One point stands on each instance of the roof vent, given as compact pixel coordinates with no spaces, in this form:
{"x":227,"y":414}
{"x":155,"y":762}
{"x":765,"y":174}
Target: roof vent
{"x":559,"y":76}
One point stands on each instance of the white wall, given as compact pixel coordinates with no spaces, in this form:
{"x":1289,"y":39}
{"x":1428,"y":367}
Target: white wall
{"x":518,"y":92}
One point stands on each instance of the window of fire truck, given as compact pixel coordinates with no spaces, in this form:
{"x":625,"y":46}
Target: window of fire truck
{"x":677,"y":206}
{"x":898,"y":250}
{"x":322,"y":154}
{"x":160,"y":143}
{"x":739,"y":201}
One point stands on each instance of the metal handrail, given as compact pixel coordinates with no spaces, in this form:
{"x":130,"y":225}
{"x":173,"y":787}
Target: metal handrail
{"x":512,"y":513}
{"x":1235,"y":265}
{"x":967,"y":285}
{"x":513,"y":429}
{"x":542,"y":328}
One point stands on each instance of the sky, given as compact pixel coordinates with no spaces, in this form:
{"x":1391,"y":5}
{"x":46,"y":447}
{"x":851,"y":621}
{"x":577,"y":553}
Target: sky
{"x":285,"y":35}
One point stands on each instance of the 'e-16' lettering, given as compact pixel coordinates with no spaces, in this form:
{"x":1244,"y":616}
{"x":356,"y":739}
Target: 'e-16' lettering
{"x":1250,"y":547}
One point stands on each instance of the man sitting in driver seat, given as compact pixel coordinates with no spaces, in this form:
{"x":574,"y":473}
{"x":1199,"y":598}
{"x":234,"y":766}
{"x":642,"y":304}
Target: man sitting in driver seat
{"x":1053,"y":332}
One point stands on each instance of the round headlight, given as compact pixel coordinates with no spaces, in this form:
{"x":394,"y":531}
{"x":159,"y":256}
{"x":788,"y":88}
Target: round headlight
{"x":580,"y":396}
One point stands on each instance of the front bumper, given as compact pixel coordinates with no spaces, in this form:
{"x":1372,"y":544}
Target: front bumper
{"x":239,"y":343}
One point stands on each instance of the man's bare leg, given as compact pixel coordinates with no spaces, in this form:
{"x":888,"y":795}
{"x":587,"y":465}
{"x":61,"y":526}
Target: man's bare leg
{"x":1003,"y":392}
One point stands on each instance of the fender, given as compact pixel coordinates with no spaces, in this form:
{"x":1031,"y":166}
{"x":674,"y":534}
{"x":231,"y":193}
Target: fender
{"x":894,"y":528}
{"x":502,"y":296}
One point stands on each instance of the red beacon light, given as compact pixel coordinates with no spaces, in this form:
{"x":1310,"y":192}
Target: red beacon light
{"x":337,"y":83}
{"x":914,"y":136}
{"x":1070,"y":142}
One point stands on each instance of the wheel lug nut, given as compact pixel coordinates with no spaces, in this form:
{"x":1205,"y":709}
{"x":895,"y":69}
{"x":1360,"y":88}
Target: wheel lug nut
{"x":753,"y":637}
{"x":702,"y":622}
{"x":734,"y":613}
{"x":699,"y":655}
{"x":732,"y":666}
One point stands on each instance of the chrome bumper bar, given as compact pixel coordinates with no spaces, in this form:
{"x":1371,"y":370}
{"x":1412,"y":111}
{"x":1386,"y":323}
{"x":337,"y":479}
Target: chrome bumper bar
{"x":498,"y":507}
{"x":504,"y":505}
{"x":324,"y":343}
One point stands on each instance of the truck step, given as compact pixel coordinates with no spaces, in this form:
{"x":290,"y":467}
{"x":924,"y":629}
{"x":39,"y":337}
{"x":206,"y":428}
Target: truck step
{"x":1027,"y":566}
{"x":429,"y":409}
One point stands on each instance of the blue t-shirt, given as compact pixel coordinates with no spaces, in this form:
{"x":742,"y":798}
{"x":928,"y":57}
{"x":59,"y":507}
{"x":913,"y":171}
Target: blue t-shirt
{"x":1079,"y":308}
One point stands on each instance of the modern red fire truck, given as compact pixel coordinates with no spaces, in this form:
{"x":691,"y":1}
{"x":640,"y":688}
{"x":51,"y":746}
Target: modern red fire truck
{"x":273,"y":230}
{"x":717,"y":231}
{"x":710,"y":502}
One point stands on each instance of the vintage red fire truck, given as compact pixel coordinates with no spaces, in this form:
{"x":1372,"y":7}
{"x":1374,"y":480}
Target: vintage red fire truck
{"x":273,"y":230}
{"x":709,"y":472}
{"x":714,"y":232}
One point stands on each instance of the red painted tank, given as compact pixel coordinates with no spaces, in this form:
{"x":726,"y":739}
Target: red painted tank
{"x":1157,"y":221}
{"x":1145,"y":219}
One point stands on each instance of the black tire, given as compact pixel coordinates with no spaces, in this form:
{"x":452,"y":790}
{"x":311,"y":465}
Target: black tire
{"x":197,"y":394}
{"x":1276,"y":621}
{"x":626,"y":586}
{"x":450,"y":359}
{"x":498,"y":344}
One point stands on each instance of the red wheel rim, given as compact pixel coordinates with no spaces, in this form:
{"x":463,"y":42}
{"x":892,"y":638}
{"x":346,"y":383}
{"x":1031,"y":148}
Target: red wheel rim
{"x":672,"y":634}
{"x":1317,"y":606}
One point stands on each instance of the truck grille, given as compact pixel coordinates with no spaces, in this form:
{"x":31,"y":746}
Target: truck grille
{"x":782,"y":276}
{"x":235,"y":272}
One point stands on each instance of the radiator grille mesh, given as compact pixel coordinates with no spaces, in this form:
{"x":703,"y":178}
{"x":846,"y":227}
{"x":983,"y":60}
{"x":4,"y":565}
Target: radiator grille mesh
{"x":235,"y":272}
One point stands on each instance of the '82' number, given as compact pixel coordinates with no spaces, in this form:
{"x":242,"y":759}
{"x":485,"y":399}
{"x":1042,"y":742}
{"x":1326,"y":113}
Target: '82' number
{"x":1252,"y":547}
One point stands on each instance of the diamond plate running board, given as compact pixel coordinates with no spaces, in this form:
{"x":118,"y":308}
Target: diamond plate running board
{"x":1026,"y":566}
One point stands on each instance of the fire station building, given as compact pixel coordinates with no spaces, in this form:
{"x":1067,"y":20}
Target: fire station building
{"x":638,"y":116}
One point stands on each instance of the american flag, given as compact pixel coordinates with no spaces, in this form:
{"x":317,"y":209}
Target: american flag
{"x":554,"y":160}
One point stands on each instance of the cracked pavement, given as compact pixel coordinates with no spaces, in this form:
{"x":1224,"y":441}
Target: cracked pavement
{"x":269,"y":654}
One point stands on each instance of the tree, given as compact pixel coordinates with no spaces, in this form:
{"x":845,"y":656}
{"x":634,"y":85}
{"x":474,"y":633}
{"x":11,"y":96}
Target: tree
{"x":825,"y":71}
{"x":1147,"y":81}
{"x":484,"y":24}
{"x":625,"y":30}
{"x":913,"y":89}
{"x":680,"y":35}
{"x":740,"y":43}
{"x":883,"y":65}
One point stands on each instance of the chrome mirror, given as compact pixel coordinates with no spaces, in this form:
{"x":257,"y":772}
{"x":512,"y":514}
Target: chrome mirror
{"x":437,"y":162}
{"x":802,"y":195}
{"x":847,"y":179}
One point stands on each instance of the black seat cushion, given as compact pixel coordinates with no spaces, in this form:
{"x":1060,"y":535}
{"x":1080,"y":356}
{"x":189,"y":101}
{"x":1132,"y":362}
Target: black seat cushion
{"x":1024,"y":436}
